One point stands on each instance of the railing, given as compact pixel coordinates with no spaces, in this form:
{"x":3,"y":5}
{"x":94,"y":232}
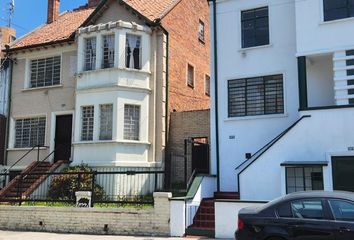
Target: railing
{"x":108,"y":188}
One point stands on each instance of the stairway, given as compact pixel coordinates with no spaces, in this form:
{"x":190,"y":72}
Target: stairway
{"x":31,"y":179}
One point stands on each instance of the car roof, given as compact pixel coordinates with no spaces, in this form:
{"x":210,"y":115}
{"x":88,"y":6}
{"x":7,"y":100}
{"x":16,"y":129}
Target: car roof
{"x":320,"y":194}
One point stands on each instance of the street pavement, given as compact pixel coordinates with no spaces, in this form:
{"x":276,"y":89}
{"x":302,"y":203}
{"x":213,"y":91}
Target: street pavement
{"x":9,"y":235}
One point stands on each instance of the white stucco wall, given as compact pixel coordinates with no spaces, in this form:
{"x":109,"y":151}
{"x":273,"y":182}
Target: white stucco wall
{"x":315,"y":35}
{"x":307,"y":141}
{"x":238,"y":136}
{"x":226,"y":215}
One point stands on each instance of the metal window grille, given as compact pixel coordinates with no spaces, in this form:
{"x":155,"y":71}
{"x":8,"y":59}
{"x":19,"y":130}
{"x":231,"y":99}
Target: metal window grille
{"x":255,"y":27}
{"x":338,"y":9}
{"x":30,"y":132}
{"x":207,"y":85}
{"x":304,"y":179}
{"x":45,"y":72}
{"x":190,"y":75}
{"x":87,"y":118}
{"x":106,"y":120}
{"x":201,"y":31}
{"x":255,"y":96}
{"x":133,"y":51}
{"x":108,"y":51}
{"x":90,"y":53}
{"x":131,"y":122}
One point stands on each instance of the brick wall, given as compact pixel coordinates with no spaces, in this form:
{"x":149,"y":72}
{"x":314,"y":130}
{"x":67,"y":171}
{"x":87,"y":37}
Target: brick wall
{"x":122,"y":221}
{"x":5,"y":38}
{"x":184,"y":47}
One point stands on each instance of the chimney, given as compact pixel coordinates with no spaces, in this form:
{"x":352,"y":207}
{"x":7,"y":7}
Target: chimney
{"x":93,"y":3}
{"x":53,"y":10}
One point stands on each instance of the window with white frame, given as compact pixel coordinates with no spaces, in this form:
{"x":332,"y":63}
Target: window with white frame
{"x":133,"y":51}
{"x":338,"y":9}
{"x":106,"y":121}
{"x":108,"y":51}
{"x":90,"y":54}
{"x":207,"y":85}
{"x":45,"y":72}
{"x":201,"y":31}
{"x":87,"y":121}
{"x":131,"y":122}
{"x":30,"y":132}
{"x":303,"y":178}
{"x":190,"y":76}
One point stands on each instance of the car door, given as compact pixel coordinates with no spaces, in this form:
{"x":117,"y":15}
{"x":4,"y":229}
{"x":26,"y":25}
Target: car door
{"x":343,"y":214}
{"x":310,"y":220}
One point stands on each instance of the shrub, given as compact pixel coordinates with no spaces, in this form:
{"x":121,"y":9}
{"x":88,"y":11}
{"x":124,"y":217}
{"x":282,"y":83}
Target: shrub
{"x":63,"y":187}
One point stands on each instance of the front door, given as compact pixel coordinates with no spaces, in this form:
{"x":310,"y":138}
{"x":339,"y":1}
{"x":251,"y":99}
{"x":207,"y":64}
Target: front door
{"x":63,"y":133}
{"x":343,"y":173}
{"x":200,"y":155}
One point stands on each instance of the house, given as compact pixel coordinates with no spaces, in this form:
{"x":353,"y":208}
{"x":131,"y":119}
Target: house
{"x":282,"y":96}
{"x":96,"y":85}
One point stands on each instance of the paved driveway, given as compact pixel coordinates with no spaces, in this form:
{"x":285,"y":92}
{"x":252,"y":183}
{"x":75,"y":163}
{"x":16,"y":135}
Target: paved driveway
{"x":7,"y":235}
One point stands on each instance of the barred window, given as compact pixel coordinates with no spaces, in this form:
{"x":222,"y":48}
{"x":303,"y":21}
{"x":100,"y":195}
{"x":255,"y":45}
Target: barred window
{"x":131,"y":122}
{"x":45,"y":72}
{"x":255,"y":96}
{"x":108,"y":51}
{"x":201,"y":31}
{"x":30,"y":132}
{"x":190,"y":75}
{"x":338,"y":9}
{"x":303,"y":179}
{"x":87,"y":121}
{"x":133,"y":51}
{"x":106,"y":120}
{"x":90,"y":54}
{"x":255,"y":27}
{"x":207,"y":85}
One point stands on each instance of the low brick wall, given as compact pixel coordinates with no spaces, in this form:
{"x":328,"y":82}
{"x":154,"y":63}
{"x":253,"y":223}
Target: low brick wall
{"x":122,"y":221}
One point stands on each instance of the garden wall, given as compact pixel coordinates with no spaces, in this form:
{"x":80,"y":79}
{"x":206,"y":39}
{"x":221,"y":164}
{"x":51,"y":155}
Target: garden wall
{"x":121,"y":221}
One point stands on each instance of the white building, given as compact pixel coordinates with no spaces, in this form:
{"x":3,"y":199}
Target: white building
{"x":282,"y":109}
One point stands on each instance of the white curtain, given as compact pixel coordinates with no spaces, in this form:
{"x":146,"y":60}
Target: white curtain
{"x":132,"y":42}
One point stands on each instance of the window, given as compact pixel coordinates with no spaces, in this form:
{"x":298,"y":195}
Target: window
{"x":255,"y":96}
{"x":108,"y":51}
{"x":338,"y":9}
{"x":342,"y":210}
{"x":190,"y":75}
{"x":201,"y":31}
{"x":303,"y":179}
{"x":90,"y":54}
{"x":255,"y":27}
{"x":45,"y":72}
{"x":207,"y":85}
{"x":131,"y":122}
{"x":284,"y":210}
{"x":106,"y":120}
{"x":87,"y":120}
{"x":30,"y":132}
{"x":133,"y":51}
{"x":310,"y":209}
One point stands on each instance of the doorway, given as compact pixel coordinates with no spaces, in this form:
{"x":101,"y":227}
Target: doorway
{"x":200,"y":155}
{"x":63,"y":135}
{"x":343,"y":173}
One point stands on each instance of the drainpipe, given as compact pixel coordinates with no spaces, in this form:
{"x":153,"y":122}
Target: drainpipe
{"x":217,"y":151}
{"x":8,"y":106}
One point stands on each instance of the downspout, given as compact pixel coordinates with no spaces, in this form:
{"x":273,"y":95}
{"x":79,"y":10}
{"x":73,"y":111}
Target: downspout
{"x":8,"y":107}
{"x":217,"y":151}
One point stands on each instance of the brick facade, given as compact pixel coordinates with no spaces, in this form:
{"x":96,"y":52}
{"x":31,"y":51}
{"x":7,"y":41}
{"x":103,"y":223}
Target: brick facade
{"x":121,"y":221}
{"x":7,"y":35}
{"x":185,"y":48}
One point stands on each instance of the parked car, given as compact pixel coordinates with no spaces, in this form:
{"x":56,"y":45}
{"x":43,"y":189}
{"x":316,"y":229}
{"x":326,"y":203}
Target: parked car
{"x":304,"y":215}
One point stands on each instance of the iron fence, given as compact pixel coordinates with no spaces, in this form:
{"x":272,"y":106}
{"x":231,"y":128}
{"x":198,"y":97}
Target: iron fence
{"x":114,"y":187}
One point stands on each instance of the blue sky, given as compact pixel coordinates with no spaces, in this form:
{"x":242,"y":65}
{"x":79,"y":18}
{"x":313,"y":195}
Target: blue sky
{"x":30,"y":14}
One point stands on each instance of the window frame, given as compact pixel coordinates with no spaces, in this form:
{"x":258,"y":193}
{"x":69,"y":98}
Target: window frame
{"x":323,"y":12}
{"x":28,"y":118}
{"x":130,"y":138}
{"x":82,"y":125}
{"x":303,"y":176}
{"x":207,"y":89}
{"x":201,"y":35}
{"x":103,"y":66}
{"x":93,"y":63}
{"x":191,"y":85}
{"x":140,"y":52}
{"x":100,"y":121}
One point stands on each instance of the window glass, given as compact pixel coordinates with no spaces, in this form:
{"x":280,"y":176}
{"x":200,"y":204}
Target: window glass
{"x":255,"y":27}
{"x":201,"y":31}
{"x":190,"y":75}
{"x":309,"y":209}
{"x":30,"y":132}
{"x":106,"y":120}
{"x":87,"y":120}
{"x":255,"y":96}
{"x":207,"y":85}
{"x":303,"y":179}
{"x":131,"y":122}
{"x":90,"y":54}
{"x":133,"y":51}
{"x":342,"y":210}
{"x":284,"y":210}
{"x":45,"y":72}
{"x":108,"y":51}
{"x":338,"y":9}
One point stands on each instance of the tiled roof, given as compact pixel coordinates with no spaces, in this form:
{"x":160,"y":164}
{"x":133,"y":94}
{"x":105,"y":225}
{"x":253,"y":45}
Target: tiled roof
{"x":67,"y":23}
{"x":59,"y":30}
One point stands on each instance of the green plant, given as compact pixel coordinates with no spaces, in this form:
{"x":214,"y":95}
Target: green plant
{"x":63,"y":187}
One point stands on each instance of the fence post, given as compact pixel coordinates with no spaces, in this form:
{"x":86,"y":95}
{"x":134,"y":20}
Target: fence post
{"x":185,"y":161}
{"x":38,"y":153}
{"x":155,"y":181}
{"x":93,"y":188}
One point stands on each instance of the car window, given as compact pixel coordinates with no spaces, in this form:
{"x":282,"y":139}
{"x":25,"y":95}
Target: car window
{"x":309,"y":209}
{"x":342,"y":210}
{"x":284,"y":210}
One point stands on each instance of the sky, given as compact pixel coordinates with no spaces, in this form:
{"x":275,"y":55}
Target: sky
{"x":30,"y":14}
